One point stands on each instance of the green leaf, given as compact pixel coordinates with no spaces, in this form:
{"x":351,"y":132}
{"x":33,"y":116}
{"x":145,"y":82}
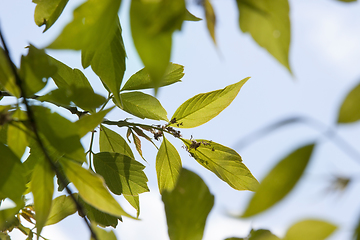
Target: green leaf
{"x":122,"y":174}
{"x":143,"y":106}
{"x":224,"y":162}
{"x":205,"y":106}
{"x":142,"y":80}
{"x":350,"y":108}
{"x":190,"y":17}
{"x":17,"y":138}
{"x":7,"y":78}
{"x":234,"y":238}
{"x":110,"y":141}
{"x":152,"y":25}
{"x":93,"y":23}
{"x":4,"y":236}
{"x":210,"y":19}
{"x":61,"y":207}
{"x":42,"y":187}
{"x":269,"y":25}
{"x":347,"y":0}
{"x":134,"y":201}
{"x":168,"y":166}
{"x":262,"y":234}
{"x":48,"y":11}
{"x":87,"y":123}
{"x":102,"y":234}
{"x":108,"y":62}
{"x":279,"y":181}
{"x":92,"y":189}
{"x":137,"y":143}
{"x":310,"y":229}
{"x":7,"y":216}
{"x":66,"y":77}
{"x":187,"y":207}
{"x":12,"y":179}
{"x":60,"y":132}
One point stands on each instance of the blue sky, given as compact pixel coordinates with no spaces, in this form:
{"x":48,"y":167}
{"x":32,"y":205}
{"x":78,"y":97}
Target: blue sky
{"x":324,"y":56}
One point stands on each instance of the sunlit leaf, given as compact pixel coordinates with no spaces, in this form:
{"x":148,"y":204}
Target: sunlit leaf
{"x":103,"y":234}
{"x":92,"y":189}
{"x":87,"y":123}
{"x":7,"y":78}
{"x":35,"y":69}
{"x":108,"y":62}
{"x":61,"y":207}
{"x":42,"y":188}
{"x":269,"y":24}
{"x":141,"y":79}
{"x":143,"y":106}
{"x":48,"y":11}
{"x":17,"y":138}
{"x":60,"y":132}
{"x":93,"y":23}
{"x":190,"y":17}
{"x":122,"y":174}
{"x":168,"y":166}
{"x":350,"y":108}
{"x":310,"y":229}
{"x":224,"y":162}
{"x":187,"y":207}
{"x":152,"y":25}
{"x":205,"y":106}
{"x":134,"y":201}
{"x":137,"y":143}
{"x":111,"y":141}
{"x":279,"y":181}
{"x":12,"y":179}
{"x":262,"y":234}
{"x":210,"y":18}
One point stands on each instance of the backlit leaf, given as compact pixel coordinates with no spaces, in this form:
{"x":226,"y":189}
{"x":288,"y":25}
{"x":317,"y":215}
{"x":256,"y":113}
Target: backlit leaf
{"x":92,"y":189}
{"x":347,"y":0}
{"x":143,"y":106}
{"x":111,"y":141}
{"x":134,"y":201}
{"x":42,"y":187}
{"x":7,"y":78}
{"x":350,"y":108}
{"x":48,"y":11}
{"x":17,"y":138}
{"x":310,"y":229}
{"x":269,"y":24}
{"x":210,"y":18}
{"x":61,"y":207}
{"x":141,"y":79}
{"x":137,"y":143}
{"x":224,"y":162}
{"x":122,"y":174}
{"x":168,"y":166}
{"x":262,"y":234}
{"x":103,"y":234}
{"x":7,"y":216}
{"x":152,"y":25}
{"x":87,"y":123}
{"x":279,"y":181}
{"x":93,"y":22}
{"x":187,"y":207}
{"x":205,"y":106}
{"x":190,"y":17}
{"x":12,"y":179}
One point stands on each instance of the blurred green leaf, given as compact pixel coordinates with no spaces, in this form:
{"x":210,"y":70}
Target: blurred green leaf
{"x":279,"y":181}
{"x":12,"y":171}
{"x":7,"y":78}
{"x":93,"y":22}
{"x":190,"y":17}
{"x":210,"y":19}
{"x":224,"y":162}
{"x":87,"y":123}
{"x":168,"y":166}
{"x":187,"y":207}
{"x":7,"y":216}
{"x":143,"y":106}
{"x":48,"y":11}
{"x":262,"y":234}
{"x":350,"y":108}
{"x":4,"y":236}
{"x":152,"y":25}
{"x":17,"y":138}
{"x":310,"y":229}
{"x":42,"y":188}
{"x":205,"y":106}
{"x":61,"y":207}
{"x":35,"y":69}
{"x":235,"y":238}
{"x":141,"y":79}
{"x":122,"y":174}
{"x":66,"y":77}
{"x":60,"y":132}
{"x":347,"y":0}
{"x":92,"y":189}
{"x":110,"y":141}
{"x":102,"y":234}
{"x":269,"y":25}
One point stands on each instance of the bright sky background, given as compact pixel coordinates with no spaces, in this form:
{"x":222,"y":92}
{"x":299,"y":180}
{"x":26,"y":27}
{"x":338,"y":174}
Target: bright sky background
{"x":324,"y":56}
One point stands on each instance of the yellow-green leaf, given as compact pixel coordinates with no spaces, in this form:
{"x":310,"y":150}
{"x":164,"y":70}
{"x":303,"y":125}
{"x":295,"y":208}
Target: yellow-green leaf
{"x":102,"y":234}
{"x":111,"y":141}
{"x":205,"y":106}
{"x":262,"y":234}
{"x":350,"y":108}
{"x":269,"y":24}
{"x":17,"y":138}
{"x":310,"y":229}
{"x":168,"y":166}
{"x":210,"y":19}
{"x":48,"y":11}
{"x":279,"y":181}
{"x":224,"y":162}
{"x":87,"y":123}
{"x":7,"y":78}
{"x":61,"y":207}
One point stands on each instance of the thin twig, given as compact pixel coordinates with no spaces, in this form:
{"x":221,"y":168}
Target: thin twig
{"x":31,"y":118}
